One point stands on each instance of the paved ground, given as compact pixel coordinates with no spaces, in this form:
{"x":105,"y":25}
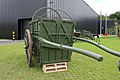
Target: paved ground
{"x":6,"y":42}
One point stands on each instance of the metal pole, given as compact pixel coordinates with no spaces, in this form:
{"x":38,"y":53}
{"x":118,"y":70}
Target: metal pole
{"x":100,"y":21}
{"x":106,"y":22}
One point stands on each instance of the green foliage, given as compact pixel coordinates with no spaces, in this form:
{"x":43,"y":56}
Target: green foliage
{"x":115,"y":16}
{"x":13,"y":64}
{"x":103,"y":17}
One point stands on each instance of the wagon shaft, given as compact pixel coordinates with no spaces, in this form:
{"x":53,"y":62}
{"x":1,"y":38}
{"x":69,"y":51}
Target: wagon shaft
{"x":99,"y":46}
{"x":64,"y":47}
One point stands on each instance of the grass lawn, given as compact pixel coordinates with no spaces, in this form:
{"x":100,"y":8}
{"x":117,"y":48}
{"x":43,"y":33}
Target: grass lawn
{"x":13,"y":64}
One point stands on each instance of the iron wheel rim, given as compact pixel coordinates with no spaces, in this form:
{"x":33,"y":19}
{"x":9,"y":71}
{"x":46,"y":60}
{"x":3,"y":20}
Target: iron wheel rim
{"x":28,"y":47}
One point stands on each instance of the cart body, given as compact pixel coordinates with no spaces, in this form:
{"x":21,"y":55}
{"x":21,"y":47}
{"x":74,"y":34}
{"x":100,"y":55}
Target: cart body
{"x":57,"y":31}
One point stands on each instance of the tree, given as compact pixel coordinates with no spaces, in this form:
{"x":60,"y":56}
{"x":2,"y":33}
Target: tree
{"x":115,"y":16}
{"x":103,"y":17}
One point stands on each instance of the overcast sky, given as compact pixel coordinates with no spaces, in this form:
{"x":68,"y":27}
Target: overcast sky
{"x":106,"y":6}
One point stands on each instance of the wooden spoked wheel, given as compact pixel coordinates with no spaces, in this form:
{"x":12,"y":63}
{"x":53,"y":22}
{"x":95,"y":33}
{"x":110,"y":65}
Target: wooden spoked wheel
{"x":28,"y":47}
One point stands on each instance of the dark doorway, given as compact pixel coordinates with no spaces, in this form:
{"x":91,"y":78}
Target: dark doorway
{"x":23,"y":24}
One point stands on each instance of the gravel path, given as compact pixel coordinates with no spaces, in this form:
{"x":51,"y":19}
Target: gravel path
{"x":6,"y":42}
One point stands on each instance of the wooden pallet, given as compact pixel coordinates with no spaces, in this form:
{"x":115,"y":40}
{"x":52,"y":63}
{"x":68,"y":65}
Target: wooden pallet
{"x":54,"y":67}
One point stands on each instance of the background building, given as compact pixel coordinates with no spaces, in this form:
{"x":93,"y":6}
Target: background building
{"x":16,"y":14}
{"x":111,"y":27}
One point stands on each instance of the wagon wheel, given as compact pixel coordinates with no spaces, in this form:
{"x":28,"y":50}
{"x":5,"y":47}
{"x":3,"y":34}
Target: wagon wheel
{"x":28,"y":47}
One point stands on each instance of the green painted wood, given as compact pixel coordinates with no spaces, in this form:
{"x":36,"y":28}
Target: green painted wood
{"x":57,"y":31}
